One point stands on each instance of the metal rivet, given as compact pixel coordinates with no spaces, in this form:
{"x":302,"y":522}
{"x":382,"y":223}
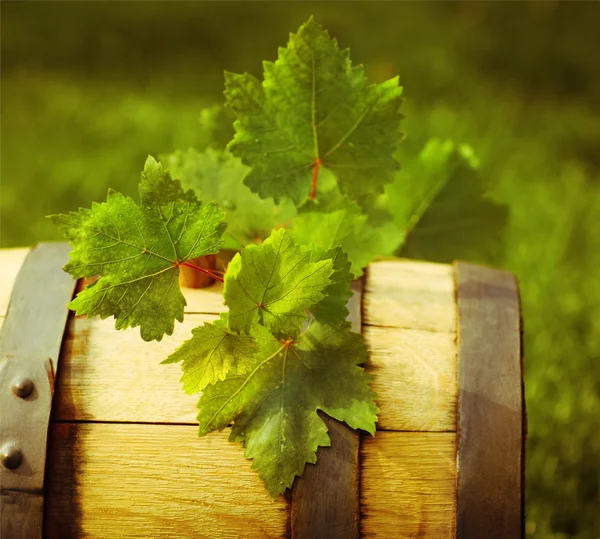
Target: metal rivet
{"x":22,"y":387}
{"x":11,"y":456}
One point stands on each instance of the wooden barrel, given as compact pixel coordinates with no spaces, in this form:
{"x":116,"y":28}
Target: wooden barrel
{"x":124,"y":459}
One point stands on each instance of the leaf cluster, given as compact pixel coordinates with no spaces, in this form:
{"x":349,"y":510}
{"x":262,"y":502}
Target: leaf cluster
{"x":316,"y":149}
{"x":311,"y":191}
{"x":282,"y":352}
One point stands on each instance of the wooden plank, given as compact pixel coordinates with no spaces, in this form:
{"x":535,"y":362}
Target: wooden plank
{"x":101,"y":485}
{"x":415,"y":378}
{"x":110,"y":481}
{"x":325,"y":500}
{"x":110,"y":375}
{"x":408,"y":485}
{"x":411,"y":295}
{"x":205,"y":300}
{"x":490,"y":450}
{"x":11,"y":261}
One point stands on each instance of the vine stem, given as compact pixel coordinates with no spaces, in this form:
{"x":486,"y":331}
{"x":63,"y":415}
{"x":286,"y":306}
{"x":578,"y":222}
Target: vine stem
{"x":203,"y":270}
{"x":315,"y":178}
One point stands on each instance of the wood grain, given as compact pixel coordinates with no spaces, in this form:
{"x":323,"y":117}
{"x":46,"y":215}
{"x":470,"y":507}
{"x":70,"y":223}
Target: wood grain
{"x":113,"y":481}
{"x":490,"y":427}
{"x":408,"y":485}
{"x":415,"y":378}
{"x":109,"y":375}
{"x":11,"y":261}
{"x":120,"y":480}
{"x":409,"y":294}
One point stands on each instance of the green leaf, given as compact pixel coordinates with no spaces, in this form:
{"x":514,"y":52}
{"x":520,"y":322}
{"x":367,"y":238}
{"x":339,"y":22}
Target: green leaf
{"x":441,"y":203}
{"x":313,"y":110}
{"x":217,"y":175}
{"x":213,"y":352}
{"x":273,"y":284}
{"x":274,"y":406}
{"x":137,"y":249}
{"x":348,"y":228}
{"x":332,"y":308}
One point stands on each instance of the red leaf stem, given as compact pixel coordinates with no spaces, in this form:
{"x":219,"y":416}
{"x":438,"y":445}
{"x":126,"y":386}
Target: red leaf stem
{"x":315,"y":178}
{"x":203,"y":270}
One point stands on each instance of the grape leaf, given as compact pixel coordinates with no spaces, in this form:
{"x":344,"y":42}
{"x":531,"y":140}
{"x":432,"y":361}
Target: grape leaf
{"x":213,"y":352}
{"x":332,"y":308}
{"x":217,"y":175}
{"x":313,"y":110}
{"x":441,"y":203}
{"x":349,"y":228}
{"x":137,"y":250}
{"x":274,"y":406}
{"x":273,"y":284}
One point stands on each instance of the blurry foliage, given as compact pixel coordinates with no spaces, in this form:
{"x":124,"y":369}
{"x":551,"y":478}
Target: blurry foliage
{"x":89,"y":89}
{"x":441,"y":199}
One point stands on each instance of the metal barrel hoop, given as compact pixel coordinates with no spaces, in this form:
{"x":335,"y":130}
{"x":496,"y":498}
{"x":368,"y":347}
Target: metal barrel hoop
{"x":30,"y":343}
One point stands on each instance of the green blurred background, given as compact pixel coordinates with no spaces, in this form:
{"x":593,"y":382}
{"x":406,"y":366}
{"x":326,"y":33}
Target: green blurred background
{"x":90,"y":88}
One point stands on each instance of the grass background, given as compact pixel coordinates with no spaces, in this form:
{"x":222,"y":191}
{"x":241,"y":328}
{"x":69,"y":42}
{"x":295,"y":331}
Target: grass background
{"x":90,"y":88}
